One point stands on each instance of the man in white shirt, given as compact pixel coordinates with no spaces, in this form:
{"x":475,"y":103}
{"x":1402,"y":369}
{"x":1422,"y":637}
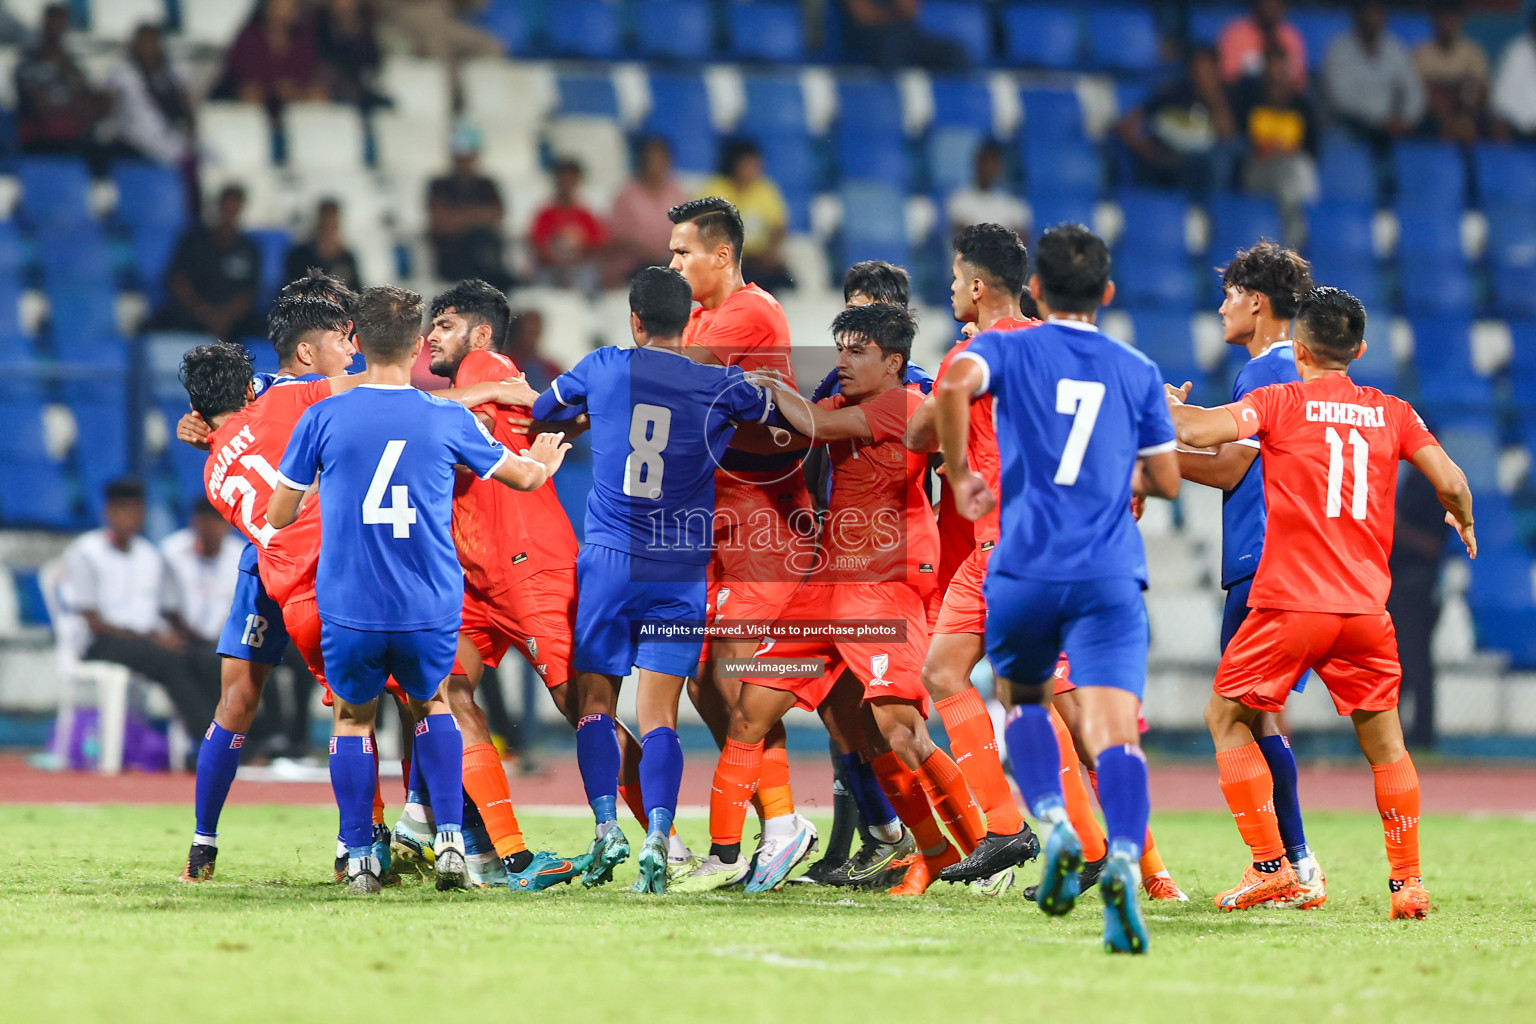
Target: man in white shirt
{"x":988,"y":201}
{"x":121,"y":585}
{"x":1514,"y":87}
{"x":204,"y":559}
{"x":1369,"y":79}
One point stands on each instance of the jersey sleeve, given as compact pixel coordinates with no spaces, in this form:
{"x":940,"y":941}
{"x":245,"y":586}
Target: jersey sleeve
{"x":302,"y":456}
{"x":739,"y":333}
{"x":1244,"y":385}
{"x":567,"y":391}
{"x":748,"y":401}
{"x":982,"y":350}
{"x":475,"y":447}
{"x":1154,"y":428}
{"x":1413,"y":435}
{"x":1255,"y":412}
{"x":888,"y":414}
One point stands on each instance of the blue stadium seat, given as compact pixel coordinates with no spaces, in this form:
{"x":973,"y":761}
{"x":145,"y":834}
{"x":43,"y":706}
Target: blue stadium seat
{"x":1318,"y":28}
{"x":1343,"y":228}
{"x":13,"y":251}
{"x":962,"y":100}
{"x":76,"y":258}
{"x":1346,"y":170}
{"x":1355,"y":272}
{"x":967,"y":22}
{"x":952,"y":157}
{"x":55,"y":192}
{"x":1442,"y":354}
{"x":81,"y":311}
{"x":1522,"y":363}
{"x":1432,"y":231}
{"x":775,"y":105}
{"x":585,"y":28}
{"x":10,"y":307}
{"x":1052,"y":116}
{"x":1238,"y":221}
{"x":1514,"y":290}
{"x":509,"y":22}
{"x":868,"y":140}
{"x":1512,"y":234}
{"x":873,"y":225}
{"x":1157,"y":283}
{"x":1436,"y":287}
{"x":675,"y":29}
{"x":1049,"y":209}
{"x":765,"y":31}
{"x":881,"y":158}
{"x":1042,"y":35}
{"x":1207,"y":20}
{"x":1064,"y":167}
{"x":101,"y":453}
{"x":149,"y":196}
{"x":1123,"y":38}
{"x":35,"y":492}
{"x":1411,"y":28}
{"x":871,"y":104}
{"x":273,"y":243}
{"x":105,"y":352}
{"x":15,"y":353}
{"x":151,"y":250}
{"x":1154,"y":226}
{"x":1504,"y":174}
{"x":1472,"y":440}
{"x":680,"y":114}
{"x":789,"y":161}
{"x":1501,"y":578}
{"x":1430,"y":174}
{"x":1377,"y":366}
{"x":1163,"y":336}
{"x":588,"y":94}
{"x":21,"y":427}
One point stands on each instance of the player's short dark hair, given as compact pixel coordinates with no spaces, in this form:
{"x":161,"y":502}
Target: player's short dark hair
{"x":888,"y":325}
{"x":997,"y":253}
{"x":1274,"y":271}
{"x":216,"y":377}
{"x":294,"y":319}
{"x":1073,"y":265}
{"x":1331,"y":322}
{"x":662,"y":299}
{"x":125,"y":489}
{"x":317,"y":282}
{"x":479,"y":303}
{"x":388,"y":322}
{"x":881,"y":281}
{"x":717,"y":220}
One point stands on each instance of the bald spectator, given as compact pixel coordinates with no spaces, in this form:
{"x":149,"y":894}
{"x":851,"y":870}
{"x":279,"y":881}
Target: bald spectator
{"x":1246,"y":40}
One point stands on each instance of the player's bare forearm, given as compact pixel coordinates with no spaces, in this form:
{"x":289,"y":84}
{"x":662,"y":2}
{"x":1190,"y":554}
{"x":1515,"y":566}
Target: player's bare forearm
{"x":1157,"y":476}
{"x":921,"y":435}
{"x":529,"y":471}
{"x":1224,"y":468}
{"x":821,"y":425}
{"x":1202,"y":428}
{"x":766,"y":439}
{"x":700,"y":354}
{"x":1452,"y":488}
{"x":283,"y":508}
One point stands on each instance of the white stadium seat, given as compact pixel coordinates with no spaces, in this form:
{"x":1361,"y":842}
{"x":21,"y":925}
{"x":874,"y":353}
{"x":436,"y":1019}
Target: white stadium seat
{"x":599,"y":146}
{"x":115,"y":20}
{"x":323,"y":136}
{"x":235,"y":136}
{"x":29,"y":12}
{"x":410,"y":143}
{"x":498,"y":91}
{"x":214,"y":22}
{"x":418,"y":85}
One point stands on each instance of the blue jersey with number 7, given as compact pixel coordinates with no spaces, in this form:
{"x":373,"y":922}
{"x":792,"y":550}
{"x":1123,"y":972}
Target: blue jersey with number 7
{"x":385,"y":456}
{"x":1075,"y":410}
{"x":660,"y":423}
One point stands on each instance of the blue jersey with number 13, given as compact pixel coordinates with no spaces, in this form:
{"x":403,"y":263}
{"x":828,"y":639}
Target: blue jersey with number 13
{"x":385,"y":456}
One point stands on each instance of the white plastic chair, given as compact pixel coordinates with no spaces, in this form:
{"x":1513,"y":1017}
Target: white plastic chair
{"x":214,"y":22}
{"x":111,"y":681}
{"x":114,"y":20}
{"x":323,"y":137}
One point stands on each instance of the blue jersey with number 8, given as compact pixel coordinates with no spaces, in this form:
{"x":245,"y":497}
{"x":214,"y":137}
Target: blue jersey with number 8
{"x":660,"y":423}
{"x":1075,"y":410}
{"x":385,"y":456}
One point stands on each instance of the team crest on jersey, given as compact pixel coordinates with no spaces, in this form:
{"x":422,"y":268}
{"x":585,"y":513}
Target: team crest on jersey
{"x":722,"y":597}
{"x":878,"y":663}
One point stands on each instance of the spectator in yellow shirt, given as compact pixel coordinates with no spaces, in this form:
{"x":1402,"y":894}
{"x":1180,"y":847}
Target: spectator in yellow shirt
{"x":763,"y":214}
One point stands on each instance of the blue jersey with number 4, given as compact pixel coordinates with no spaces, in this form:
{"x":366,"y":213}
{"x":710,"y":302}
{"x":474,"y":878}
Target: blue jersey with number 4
{"x":1075,"y":410}
{"x":660,"y":423}
{"x":385,"y":456}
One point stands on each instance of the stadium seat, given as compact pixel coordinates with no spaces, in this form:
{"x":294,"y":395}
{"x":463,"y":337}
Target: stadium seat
{"x":1156,"y":282}
{"x":765,"y":30}
{"x":775,"y":105}
{"x":1344,"y":228}
{"x":788,"y":160}
{"x":1052,"y":116}
{"x":35,"y":492}
{"x":872,"y":226}
{"x":952,"y":158}
{"x":871,"y":104}
{"x":585,"y":28}
{"x":508,"y":21}
{"x":962,"y":101}
{"x":868,"y":139}
{"x":1318,"y":28}
{"x":1048,"y":209}
{"x":590,"y":94}
{"x":1429,"y":231}
{"x":1207,"y":20}
{"x":1154,"y":226}
{"x":213,"y":23}
{"x":675,"y":29}
{"x":1064,"y":168}
{"x":1501,"y":578}
{"x":75,"y":258}
{"x":1442,"y":359}
{"x":1436,"y":287}
{"x":13,"y":252}
{"x":105,"y":351}
{"x":501,"y":92}
{"x":1355,"y":272}
{"x":680,"y":114}
{"x":1237,"y":221}
{"x":416,"y":146}
{"x":21,"y":427}
{"x":1431,"y":174}
{"x":1472,"y":441}
{"x":1164,"y":337}
{"x":1512,"y":257}
{"x":1514,"y":290}
{"x":151,"y":250}
{"x":101,"y":451}
{"x":419,"y":86}
{"x":10,"y":308}
{"x":1042,"y":35}
{"x":115,"y":20}
{"x":1522,"y":363}
{"x":273,"y":244}
{"x":236,"y":136}
{"x":323,"y":137}
{"x":1123,"y":38}
{"x":967,"y":22}
{"x":55,"y":192}
{"x":1412,"y":28}
{"x":1504,"y":174}
{"x":596,"y":142}
{"x":81,"y":310}
{"x":1346,"y":170}
{"x":149,"y":195}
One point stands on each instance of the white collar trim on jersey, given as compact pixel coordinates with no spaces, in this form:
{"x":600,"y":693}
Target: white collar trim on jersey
{"x":1282,"y":343}
{"x":389,"y":387}
{"x":1076,"y":324}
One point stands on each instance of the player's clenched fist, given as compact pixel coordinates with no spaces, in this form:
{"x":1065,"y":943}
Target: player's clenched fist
{"x":973,"y":498}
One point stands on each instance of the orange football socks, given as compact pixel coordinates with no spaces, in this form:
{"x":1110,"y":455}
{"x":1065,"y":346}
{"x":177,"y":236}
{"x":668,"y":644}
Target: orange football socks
{"x":775,"y":797}
{"x":975,"y":745}
{"x":736,"y":775}
{"x":1397,"y":798}
{"x":904,"y":790}
{"x":486,"y":784}
{"x":1075,"y":795}
{"x":1250,"y":792}
{"x":1151,"y":860}
{"x":951,"y":797}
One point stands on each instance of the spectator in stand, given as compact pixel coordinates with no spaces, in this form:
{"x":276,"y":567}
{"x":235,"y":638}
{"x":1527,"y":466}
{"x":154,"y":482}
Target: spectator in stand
{"x":348,"y":47}
{"x":12,"y":32}
{"x":1184,"y":135}
{"x":274,"y":60}
{"x":1418,"y":548}
{"x":988,"y":201}
{"x":886,"y":33}
{"x":57,"y":108}
{"x":1454,"y":71}
{"x":638,"y":228}
{"x":151,"y":111}
{"x":1514,"y":87}
{"x":1369,"y":82}
{"x":465,"y":213}
{"x":1245,"y":40}
{"x":325,"y":249}
{"x":433,"y":28}
{"x":764,"y":216}
{"x":1279,"y":124}
{"x":567,"y":237}
{"x":204,"y":559}
{"x":214,"y":277}
{"x":521,"y":344}
{"x":121,"y":585}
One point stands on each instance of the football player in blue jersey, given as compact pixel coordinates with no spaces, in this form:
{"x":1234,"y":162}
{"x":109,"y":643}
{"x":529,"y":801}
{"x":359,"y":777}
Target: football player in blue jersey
{"x":659,"y":424}
{"x":1263,"y":288}
{"x":1079,"y":429}
{"x":389,"y":587}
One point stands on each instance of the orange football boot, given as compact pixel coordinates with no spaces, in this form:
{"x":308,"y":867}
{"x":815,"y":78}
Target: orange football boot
{"x":1163,"y":887}
{"x":925,"y":871}
{"x":1257,"y":889}
{"x":1410,"y":902}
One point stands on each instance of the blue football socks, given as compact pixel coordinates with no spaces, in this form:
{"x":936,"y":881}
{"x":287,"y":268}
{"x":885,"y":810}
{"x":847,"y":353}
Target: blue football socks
{"x":864,"y":787}
{"x":1124,"y":797}
{"x":1282,"y":765}
{"x":440,"y":752}
{"x":597,"y":754}
{"x":353,"y":777}
{"x":1036,"y":760}
{"x":217,"y":760}
{"x":661,"y":776}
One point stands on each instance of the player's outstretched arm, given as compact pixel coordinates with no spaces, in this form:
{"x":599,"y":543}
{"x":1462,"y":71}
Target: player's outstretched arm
{"x":1197,"y":427}
{"x":512,"y":391}
{"x":819,"y":424}
{"x":952,"y":396}
{"x":1223,"y":468}
{"x":283,"y":508}
{"x":922,"y":434}
{"x":1157,"y":476}
{"x":1452,"y":487}
{"x":528,"y":471}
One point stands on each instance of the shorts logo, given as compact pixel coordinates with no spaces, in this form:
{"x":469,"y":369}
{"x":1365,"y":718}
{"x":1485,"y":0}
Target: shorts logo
{"x":209,"y":734}
{"x":878,"y":663}
{"x":722,"y":597}
{"x":368,"y":743}
{"x":333,"y":744}
{"x":542,"y":670}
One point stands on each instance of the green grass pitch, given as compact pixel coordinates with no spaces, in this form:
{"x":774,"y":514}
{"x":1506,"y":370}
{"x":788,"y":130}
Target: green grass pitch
{"x":93,"y":927}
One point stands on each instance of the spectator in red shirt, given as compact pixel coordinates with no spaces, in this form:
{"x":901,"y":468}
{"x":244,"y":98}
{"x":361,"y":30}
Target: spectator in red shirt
{"x":274,"y":59}
{"x":1245,"y":41}
{"x":567,"y":237}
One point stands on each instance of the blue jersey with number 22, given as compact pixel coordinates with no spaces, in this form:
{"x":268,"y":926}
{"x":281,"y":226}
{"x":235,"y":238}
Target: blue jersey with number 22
{"x":1075,"y":410}
{"x":385,"y":456}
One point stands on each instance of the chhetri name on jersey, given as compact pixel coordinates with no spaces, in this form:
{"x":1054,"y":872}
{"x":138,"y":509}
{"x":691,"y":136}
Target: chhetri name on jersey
{"x":1346,"y":414}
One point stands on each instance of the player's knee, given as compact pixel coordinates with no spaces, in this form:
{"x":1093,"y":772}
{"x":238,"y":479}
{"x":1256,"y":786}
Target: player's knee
{"x":238,"y":703}
{"x":942,"y":681}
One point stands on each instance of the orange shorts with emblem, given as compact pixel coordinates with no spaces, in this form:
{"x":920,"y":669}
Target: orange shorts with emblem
{"x":538,"y":618}
{"x":965,"y":606}
{"x":885,"y":667}
{"x":1354,"y":655}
